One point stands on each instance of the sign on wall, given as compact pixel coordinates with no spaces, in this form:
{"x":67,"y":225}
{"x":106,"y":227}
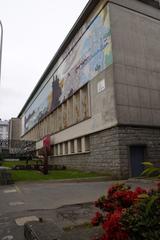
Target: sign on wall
{"x":91,"y":55}
{"x":101,"y":86}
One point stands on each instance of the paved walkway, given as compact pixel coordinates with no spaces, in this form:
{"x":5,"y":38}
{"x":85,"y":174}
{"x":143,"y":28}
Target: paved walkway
{"x":36,"y":200}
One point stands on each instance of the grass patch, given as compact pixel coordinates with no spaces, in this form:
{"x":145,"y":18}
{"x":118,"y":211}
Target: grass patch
{"x":33,"y":175}
{"x":11,"y":164}
{"x":30,"y":175}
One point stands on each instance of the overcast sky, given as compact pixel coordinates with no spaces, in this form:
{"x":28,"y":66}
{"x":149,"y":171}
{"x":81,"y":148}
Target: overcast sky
{"x":33,"y":31}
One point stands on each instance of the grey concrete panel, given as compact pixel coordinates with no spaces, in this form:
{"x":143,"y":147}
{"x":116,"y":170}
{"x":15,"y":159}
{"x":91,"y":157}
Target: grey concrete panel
{"x":123,"y":114}
{"x":156,"y":117}
{"x":144,"y":97}
{"x":133,"y":96}
{"x":142,"y":78}
{"x":155,"y":99}
{"x":146,"y":116}
{"x":139,"y":6}
{"x":131,"y":76}
{"x":136,"y":38}
{"x":136,"y":55}
{"x":119,"y":73}
{"x":122,"y":94}
{"x":154,"y":80}
{"x":103,"y":102}
{"x":135,"y":115}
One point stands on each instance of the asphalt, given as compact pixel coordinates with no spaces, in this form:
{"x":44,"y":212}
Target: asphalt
{"x":61,"y":202}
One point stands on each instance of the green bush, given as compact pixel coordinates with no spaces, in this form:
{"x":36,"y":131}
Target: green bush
{"x":129,"y":215}
{"x":141,"y":220}
{"x":151,"y":170}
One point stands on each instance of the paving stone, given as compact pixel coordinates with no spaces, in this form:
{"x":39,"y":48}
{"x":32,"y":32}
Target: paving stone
{"x":49,"y":231}
{"x":42,"y":230}
{"x":21,"y":221}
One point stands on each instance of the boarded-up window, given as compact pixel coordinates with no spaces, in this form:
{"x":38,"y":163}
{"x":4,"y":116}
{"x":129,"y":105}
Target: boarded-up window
{"x":70,"y":111}
{"x":76,"y":107}
{"x":84,"y":102}
{"x":59,"y":118}
{"x":74,"y":110}
{"x":55,"y":122}
{"x":64,"y":113}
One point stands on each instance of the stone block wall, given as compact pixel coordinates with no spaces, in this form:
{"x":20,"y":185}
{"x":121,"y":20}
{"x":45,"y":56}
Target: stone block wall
{"x":109,"y":150}
{"x":142,"y":136}
{"x":102,"y":157}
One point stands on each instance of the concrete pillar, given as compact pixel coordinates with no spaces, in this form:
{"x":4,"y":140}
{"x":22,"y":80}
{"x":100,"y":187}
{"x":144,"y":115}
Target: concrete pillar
{"x":69,"y":147}
{"x":83,"y":144}
{"x":75,"y":146}
{"x":63,"y":148}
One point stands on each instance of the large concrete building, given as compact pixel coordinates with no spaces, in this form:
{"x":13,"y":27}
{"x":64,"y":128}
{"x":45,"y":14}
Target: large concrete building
{"x":3,"y":129}
{"x":14,"y":132}
{"x":99,"y":98}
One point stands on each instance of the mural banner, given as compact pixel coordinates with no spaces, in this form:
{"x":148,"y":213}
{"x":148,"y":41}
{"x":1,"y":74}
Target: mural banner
{"x":91,"y":55}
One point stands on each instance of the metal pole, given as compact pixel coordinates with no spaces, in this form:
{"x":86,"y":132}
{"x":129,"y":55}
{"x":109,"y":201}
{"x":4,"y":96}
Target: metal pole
{"x":1,"y":48}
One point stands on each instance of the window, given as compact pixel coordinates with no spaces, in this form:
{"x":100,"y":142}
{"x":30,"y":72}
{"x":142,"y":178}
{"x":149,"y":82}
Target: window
{"x":66,"y":147}
{"x":79,"y":145}
{"x":87,"y":143}
{"x":72,"y":146}
{"x":61,"y":149}
{"x":56,"y":149}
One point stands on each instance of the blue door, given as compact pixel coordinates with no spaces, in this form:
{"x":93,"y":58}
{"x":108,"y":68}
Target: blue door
{"x":136,"y":159}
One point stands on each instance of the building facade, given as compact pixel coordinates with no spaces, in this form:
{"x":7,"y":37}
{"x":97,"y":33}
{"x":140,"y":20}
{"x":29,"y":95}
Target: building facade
{"x":99,"y":98}
{"x":3,"y":129}
{"x":14,"y":132}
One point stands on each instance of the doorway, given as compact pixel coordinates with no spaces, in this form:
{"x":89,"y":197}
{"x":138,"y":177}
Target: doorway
{"x":137,"y":157}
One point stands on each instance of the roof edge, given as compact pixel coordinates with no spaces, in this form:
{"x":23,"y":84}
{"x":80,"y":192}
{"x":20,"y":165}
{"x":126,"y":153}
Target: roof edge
{"x":77,"y":25}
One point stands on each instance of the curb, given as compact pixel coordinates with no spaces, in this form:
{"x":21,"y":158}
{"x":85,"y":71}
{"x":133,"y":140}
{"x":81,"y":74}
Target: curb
{"x":73,"y":180}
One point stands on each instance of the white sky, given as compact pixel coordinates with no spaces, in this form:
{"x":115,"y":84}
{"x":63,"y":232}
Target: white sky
{"x":33,"y":32}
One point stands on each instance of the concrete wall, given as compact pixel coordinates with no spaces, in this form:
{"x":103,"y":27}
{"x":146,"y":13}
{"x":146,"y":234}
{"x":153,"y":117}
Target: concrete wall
{"x":136,"y":56}
{"x":14,"y":129}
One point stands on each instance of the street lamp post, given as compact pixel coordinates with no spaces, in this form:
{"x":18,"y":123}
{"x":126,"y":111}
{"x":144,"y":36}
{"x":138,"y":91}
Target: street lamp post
{"x":1,"y":48}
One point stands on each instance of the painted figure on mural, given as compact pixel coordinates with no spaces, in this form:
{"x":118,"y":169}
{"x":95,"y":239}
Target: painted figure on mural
{"x":56,"y":92}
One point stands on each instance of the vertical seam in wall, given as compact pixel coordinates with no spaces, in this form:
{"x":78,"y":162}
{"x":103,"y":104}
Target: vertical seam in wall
{"x":114,"y":88}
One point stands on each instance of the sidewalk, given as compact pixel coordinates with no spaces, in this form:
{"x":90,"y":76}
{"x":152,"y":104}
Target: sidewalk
{"x":73,"y":221}
{"x":68,"y":222}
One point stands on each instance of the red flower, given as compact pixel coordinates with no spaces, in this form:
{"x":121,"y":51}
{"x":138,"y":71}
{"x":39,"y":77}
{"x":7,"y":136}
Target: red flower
{"x":97,"y":219}
{"x":140,"y":190}
{"x":113,"y":227}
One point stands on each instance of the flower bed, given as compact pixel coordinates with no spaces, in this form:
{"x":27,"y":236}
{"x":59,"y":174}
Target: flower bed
{"x":129,"y":215}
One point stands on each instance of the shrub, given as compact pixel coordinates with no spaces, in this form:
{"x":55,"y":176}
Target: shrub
{"x":129,"y":215}
{"x":151,"y":170}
